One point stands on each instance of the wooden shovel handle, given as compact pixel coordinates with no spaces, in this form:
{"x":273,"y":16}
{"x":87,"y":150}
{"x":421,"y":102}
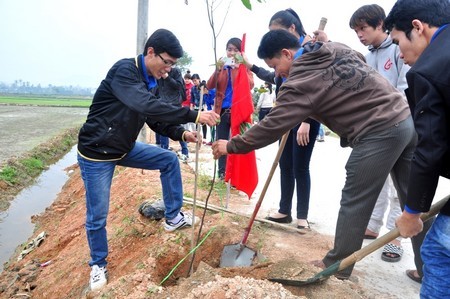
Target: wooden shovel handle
{"x":393,"y":234}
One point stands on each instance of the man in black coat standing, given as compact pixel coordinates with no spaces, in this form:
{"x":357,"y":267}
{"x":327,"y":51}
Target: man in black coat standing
{"x":421,"y":29}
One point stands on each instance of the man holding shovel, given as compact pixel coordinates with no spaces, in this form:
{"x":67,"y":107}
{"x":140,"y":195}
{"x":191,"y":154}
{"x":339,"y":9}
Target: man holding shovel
{"x":329,"y":82}
{"x":420,"y":28}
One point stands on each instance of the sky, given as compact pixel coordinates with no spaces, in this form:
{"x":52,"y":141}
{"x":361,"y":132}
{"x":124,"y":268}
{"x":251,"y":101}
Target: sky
{"x":75,"y":42}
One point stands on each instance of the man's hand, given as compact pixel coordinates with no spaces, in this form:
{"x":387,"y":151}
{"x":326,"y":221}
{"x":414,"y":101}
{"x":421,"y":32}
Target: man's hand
{"x":320,"y":35}
{"x":303,"y":134}
{"x":191,"y":136}
{"x":209,"y":117}
{"x":247,"y":62}
{"x":219,"y":148}
{"x":409,"y":225}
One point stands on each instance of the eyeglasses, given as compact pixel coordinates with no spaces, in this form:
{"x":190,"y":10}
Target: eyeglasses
{"x":166,"y":62}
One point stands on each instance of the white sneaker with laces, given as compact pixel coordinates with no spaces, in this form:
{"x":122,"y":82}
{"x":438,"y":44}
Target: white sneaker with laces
{"x":99,"y":277}
{"x":185,"y":221}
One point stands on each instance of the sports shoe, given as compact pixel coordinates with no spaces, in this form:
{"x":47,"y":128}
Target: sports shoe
{"x":185,"y":221}
{"x":184,"y":158}
{"x":99,"y":277}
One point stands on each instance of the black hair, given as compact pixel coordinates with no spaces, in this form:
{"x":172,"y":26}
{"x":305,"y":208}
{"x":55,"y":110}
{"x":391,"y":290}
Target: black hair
{"x":286,"y":18}
{"x":195,"y":76}
{"x":274,"y":41}
{"x":235,"y":42}
{"x":163,"y":40}
{"x":269,"y":86}
{"x":372,"y":14}
{"x":433,"y":12}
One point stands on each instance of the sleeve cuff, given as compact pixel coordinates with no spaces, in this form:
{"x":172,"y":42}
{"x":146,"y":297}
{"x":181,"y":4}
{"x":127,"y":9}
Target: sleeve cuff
{"x":182,"y":136}
{"x":411,"y":211}
{"x":198,"y":117}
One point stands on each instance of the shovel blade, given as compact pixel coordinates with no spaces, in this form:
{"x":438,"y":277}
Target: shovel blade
{"x":236,"y":255}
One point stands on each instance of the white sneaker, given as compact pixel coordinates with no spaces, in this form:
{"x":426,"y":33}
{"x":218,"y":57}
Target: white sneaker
{"x":185,"y":221}
{"x":99,"y":277}
{"x":183,"y":158}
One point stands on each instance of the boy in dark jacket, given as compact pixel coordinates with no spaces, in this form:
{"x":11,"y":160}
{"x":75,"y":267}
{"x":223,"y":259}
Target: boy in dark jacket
{"x":124,"y":101}
{"x":420,"y":28}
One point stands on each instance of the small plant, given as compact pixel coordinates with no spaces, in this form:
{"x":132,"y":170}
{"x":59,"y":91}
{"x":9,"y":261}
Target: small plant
{"x":8,"y":174}
{"x":33,"y":166}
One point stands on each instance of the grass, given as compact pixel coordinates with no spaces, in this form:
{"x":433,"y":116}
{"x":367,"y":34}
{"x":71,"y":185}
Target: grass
{"x":80,"y":102}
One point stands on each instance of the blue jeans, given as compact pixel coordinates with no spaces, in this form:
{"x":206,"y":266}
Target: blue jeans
{"x":97,"y":177}
{"x":294,"y":170}
{"x":162,"y":140}
{"x":184,"y":148}
{"x":321,"y":131}
{"x":436,"y":258}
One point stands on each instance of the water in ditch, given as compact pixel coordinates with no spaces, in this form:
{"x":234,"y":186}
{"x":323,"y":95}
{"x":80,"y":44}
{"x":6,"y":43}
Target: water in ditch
{"x":15,"y":223}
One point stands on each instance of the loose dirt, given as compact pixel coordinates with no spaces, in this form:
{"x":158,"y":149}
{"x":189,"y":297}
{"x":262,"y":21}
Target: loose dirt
{"x":142,"y":254}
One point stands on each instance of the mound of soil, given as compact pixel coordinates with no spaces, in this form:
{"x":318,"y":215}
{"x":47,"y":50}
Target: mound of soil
{"x":147,"y":262}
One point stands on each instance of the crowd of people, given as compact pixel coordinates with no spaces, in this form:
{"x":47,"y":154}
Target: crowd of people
{"x":391,"y":107}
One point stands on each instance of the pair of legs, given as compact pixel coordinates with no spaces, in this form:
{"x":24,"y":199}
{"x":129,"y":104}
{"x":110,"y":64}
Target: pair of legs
{"x":223,"y":132}
{"x":97,"y":177}
{"x":387,"y":198}
{"x":162,"y":141}
{"x":373,"y":157}
{"x":294,"y":172}
{"x":263,"y":112}
{"x":321,"y":134}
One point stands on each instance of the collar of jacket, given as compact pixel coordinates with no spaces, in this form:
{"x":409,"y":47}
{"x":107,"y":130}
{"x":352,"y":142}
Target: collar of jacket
{"x":386,"y":43}
{"x":149,"y":79}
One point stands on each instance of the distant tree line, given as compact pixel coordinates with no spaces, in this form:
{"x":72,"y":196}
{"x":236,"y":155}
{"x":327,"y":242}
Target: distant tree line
{"x":24,"y":87}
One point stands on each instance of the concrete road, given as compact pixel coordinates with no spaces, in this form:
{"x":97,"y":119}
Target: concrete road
{"x":327,"y":180}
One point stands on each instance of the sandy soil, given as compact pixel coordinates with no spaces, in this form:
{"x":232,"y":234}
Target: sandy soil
{"x":142,"y":254}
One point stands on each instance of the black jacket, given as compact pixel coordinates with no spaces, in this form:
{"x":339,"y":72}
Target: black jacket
{"x":429,"y":99}
{"x":121,"y":106}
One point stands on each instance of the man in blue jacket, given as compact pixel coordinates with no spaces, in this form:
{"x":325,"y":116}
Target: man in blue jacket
{"x":420,"y":28}
{"x":124,"y":101}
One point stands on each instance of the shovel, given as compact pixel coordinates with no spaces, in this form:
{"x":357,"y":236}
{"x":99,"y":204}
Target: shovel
{"x":239,"y":255}
{"x":360,"y":254}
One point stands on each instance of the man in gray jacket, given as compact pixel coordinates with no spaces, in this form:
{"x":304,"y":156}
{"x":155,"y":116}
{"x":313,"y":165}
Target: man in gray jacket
{"x":332,"y":84}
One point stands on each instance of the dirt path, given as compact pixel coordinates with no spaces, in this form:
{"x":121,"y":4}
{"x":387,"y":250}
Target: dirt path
{"x":142,"y":254}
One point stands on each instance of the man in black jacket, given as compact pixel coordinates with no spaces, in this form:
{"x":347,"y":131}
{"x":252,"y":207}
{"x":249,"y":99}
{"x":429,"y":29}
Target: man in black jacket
{"x":420,"y":28}
{"x":124,"y":101}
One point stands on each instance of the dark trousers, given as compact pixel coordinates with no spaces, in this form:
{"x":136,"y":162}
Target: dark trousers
{"x":223,"y":132}
{"x":294,"y":170}
{"x":373,"y":157}
{"x":263,"y":112}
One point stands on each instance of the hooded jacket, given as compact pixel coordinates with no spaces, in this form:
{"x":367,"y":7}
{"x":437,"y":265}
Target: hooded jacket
{"x":121,"y":105}
{"x":386,"y":60}
{"x":332,"y":84}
